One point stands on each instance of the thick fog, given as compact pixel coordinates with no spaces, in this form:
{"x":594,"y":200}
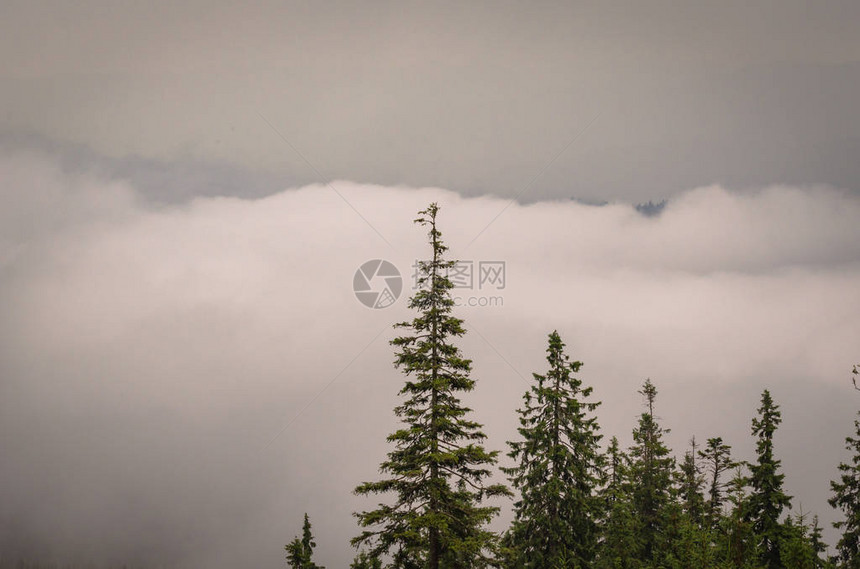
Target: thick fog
{"x":180,"y":383}
{"x":184,"y":366}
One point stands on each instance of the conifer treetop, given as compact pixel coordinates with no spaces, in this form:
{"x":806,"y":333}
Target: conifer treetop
{"x":437,"y":470}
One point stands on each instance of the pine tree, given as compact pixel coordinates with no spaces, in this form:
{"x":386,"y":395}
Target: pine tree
{"x":365,"y":561}
{"x":690,"y":485}
{"x":300,"y":551}
{"x":651,"y":473}
{"x":767,"y":500}
{"x":438,"y":467}
{"x":739,"y":540}
{"x":797,"y":550}
{"x":819,"y":548}
{"x":558,"y":471}
{"x":846,"y":497}
{"x":619,"y":547}
{"x":717,"y":457}
{"x":695,"y":547}
{"x":805,"y":546}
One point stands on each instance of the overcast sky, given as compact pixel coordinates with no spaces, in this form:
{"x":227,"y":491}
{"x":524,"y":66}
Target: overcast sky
{"x":639,"y":100}
{"x":187,"y":192}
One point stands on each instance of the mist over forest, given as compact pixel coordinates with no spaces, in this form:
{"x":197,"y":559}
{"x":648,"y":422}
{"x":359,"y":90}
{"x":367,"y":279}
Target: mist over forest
{"x":208,"y":234}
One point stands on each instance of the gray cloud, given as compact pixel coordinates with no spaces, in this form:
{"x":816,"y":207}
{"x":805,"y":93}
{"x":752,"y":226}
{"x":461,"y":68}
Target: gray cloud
{"x":155,"y":181}
{"x":150,"y":353}
{"x":475,"y":98}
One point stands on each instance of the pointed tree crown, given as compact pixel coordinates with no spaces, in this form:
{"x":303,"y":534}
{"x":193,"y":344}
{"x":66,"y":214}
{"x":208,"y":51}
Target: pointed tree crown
{"x":438,"y":467}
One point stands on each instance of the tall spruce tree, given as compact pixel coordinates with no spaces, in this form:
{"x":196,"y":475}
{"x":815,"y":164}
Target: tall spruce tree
{"x":619,"y":546}
{"x":795,"y":547}
{"x":300,"y":551}
{"x":767,"y":499}
{"x":801,"y":546}
{"x":690,"y":485}
{"x":651,"y":473}
{"x":846,"y":498}
{"x":559,"y":469}
{"x":816,"y":540}
{"x":739,"y":540}
{"x":717,"y":458}
{"x":438,"y":467}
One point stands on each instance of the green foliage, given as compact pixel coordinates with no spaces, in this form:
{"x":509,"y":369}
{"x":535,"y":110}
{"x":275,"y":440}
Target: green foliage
{"x":619,"y":546}
{"x":559,"y":470}
{"x":577,"y":508}
{"x":717,"y":457}
{"x":767,"y":500}
{"x":438,"y":466}
{"x":796,"y":548}
{"x":846,"y":498}
{"x":300,"y":551}
{"x":365,"y":561}
{"x":819,"y":548}
{"x":695,"y":547}
{"x":690,"y":486}
{"x":738,"y":540}
{"x":652,"y":470}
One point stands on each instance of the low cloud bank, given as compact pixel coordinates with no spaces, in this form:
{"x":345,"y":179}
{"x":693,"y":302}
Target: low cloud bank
{"x":161,"y":366}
